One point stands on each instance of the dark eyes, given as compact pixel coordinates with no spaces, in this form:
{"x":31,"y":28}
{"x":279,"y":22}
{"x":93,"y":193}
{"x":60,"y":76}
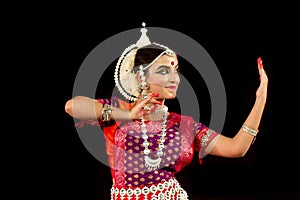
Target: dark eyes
{"x":166,"y":71}
{"x":163,"y":71}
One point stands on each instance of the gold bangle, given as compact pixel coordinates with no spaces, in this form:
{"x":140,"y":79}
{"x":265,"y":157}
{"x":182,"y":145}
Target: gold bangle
{"x":249,"y":130}
{"x":106,"y":112}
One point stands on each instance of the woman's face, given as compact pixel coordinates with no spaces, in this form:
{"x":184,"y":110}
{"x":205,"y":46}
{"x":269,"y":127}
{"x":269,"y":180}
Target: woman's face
{"x":163,"y":77}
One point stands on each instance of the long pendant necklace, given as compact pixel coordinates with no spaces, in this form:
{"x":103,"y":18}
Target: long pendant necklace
{"x":154,"y":163}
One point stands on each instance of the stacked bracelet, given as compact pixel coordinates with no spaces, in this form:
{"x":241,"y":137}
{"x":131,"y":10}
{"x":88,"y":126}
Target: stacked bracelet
{"x":106,"y":112}
{"x":249,"y":130}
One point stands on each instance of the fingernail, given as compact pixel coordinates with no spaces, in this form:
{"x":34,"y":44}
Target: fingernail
{"x":154,"y":95}
{"x":159,"y":102}
{"x":259,"y":61}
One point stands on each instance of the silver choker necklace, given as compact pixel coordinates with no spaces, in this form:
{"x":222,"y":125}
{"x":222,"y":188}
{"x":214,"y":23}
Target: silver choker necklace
{"x":154,"y":163}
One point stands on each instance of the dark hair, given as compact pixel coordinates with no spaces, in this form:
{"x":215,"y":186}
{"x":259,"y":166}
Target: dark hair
{"x":146,"y":55}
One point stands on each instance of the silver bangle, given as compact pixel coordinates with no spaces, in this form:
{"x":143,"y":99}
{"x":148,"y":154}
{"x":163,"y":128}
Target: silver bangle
{"x":249,"y":130}
{"x":106,"y":112}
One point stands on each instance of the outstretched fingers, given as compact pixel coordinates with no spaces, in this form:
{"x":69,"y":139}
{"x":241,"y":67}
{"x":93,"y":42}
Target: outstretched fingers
{"x":262,"y":73}
{"x":262,"y":89}
{"x":260,"y":65}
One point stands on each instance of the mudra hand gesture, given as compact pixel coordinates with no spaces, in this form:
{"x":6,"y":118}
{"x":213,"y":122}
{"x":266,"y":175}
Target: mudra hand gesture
{"x":144,"y":106}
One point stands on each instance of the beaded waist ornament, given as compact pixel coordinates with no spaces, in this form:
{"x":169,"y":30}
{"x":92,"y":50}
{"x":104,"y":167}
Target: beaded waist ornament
{"x":170,"y":189}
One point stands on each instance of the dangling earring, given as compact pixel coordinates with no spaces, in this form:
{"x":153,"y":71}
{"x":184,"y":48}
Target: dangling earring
{"x":143,"y":84}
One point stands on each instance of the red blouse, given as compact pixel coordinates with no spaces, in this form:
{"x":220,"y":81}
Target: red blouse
{"x":125,"y":150}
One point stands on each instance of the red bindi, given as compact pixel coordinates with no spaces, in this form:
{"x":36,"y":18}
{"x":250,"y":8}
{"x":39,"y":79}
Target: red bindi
{"x":172,"y":63}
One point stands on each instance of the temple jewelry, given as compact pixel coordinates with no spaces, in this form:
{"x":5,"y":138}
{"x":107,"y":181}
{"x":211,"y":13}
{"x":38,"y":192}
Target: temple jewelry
{"x":148,"y":107}
{"x":249,"y":130}
{"x":143,"y":84}
{"x":167,"y":51}
{"x":125,"y":79}
{"x":160,"y":110}
{"x":106,"y":112}
{"x":154,"y":163}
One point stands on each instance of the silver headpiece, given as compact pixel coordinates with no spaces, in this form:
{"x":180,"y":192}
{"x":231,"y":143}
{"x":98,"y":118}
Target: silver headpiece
{"x":125,"y":78}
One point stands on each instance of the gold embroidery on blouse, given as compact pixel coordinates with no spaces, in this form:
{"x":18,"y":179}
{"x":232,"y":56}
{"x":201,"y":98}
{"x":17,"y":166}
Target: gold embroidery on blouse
{"x":137,"y":141}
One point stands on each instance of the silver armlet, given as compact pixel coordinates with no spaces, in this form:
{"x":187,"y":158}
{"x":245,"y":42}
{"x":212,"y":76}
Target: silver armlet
{"x":106,"y":112}
{"x":249,"y":130}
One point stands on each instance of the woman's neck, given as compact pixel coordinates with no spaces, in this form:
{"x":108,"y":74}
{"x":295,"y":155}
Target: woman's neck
{"x":156,"y":113}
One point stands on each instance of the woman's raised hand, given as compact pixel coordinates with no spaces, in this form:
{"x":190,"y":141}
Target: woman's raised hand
{"x":141,"y":107}
{"x":261,"y":92}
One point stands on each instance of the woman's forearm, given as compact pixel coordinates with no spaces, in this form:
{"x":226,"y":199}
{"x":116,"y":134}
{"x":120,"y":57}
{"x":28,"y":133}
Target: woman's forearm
{"x":86,"y":108}
{"x":243,"y":138}
{"x":241,"y":142}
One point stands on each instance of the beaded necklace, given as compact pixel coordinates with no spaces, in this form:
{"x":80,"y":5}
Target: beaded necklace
{"x":154,"y":163}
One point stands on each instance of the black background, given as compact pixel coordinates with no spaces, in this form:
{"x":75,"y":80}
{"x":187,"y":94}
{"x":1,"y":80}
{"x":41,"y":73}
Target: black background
{"x":234,"y":35}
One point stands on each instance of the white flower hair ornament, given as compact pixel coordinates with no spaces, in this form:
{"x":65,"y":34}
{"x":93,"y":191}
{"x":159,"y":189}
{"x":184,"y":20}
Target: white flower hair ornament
{"x":125,"y":78}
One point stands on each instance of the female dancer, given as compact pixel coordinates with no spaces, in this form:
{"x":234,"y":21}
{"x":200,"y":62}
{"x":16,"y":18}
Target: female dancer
{"x":147,"y":145}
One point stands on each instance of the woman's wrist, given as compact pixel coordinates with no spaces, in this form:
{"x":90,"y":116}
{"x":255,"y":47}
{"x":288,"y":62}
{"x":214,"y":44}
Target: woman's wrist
{"x":106,"y":112}
{"x":261,"y":99}
{"x":120,"y":114}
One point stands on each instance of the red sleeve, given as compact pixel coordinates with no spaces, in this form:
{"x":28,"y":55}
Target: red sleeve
{"x":203,"y":137}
